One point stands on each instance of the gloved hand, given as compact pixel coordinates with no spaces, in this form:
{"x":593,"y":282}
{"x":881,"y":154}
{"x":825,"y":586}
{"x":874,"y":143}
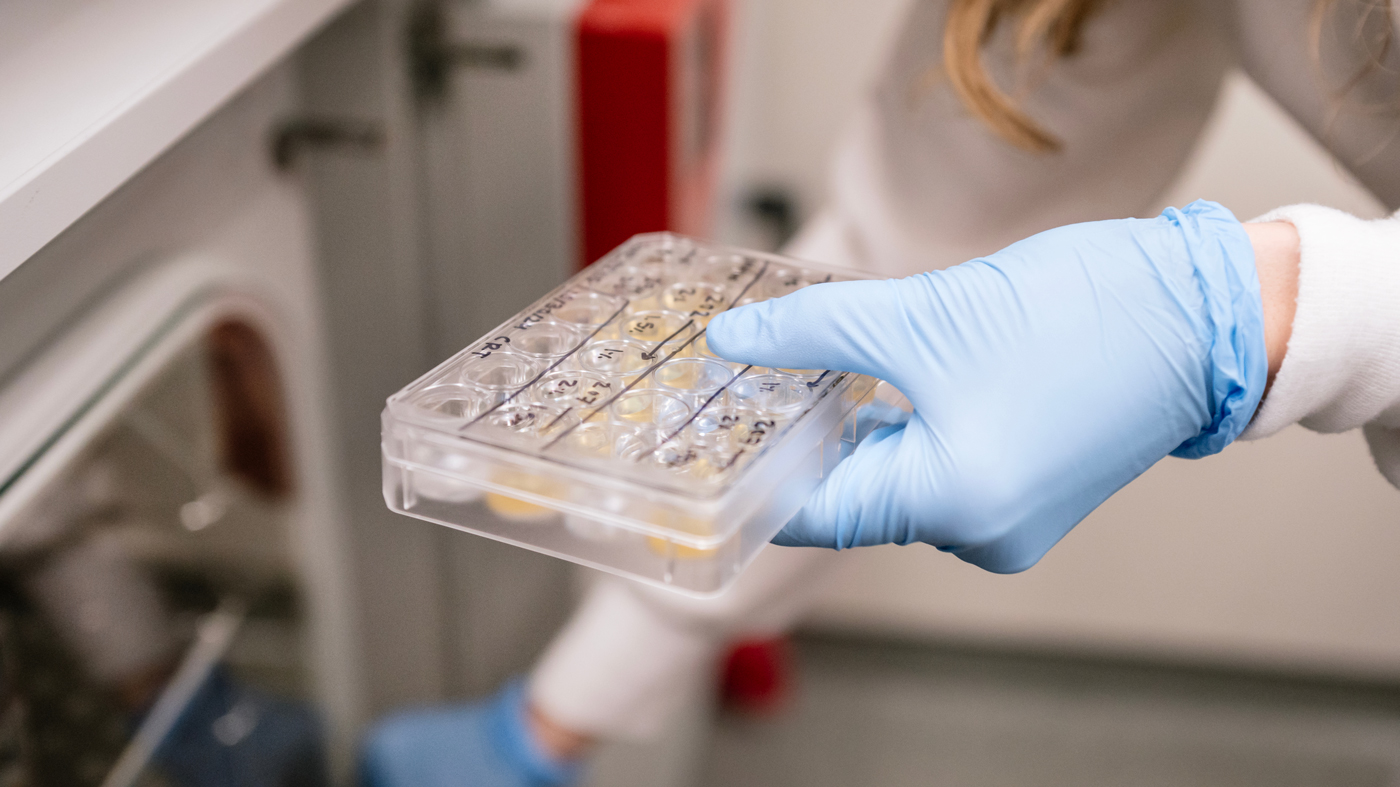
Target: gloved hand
{"x":1044,"y":378}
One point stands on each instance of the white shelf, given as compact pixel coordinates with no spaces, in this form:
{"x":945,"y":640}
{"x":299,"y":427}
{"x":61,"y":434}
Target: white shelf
{"x":91,"y":92}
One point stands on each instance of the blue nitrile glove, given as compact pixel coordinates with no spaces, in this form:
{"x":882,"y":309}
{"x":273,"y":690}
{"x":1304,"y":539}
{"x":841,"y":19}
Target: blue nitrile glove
{"x":230,"y":735}
{"x":1043,"y":378}
{"x":486,"y":744}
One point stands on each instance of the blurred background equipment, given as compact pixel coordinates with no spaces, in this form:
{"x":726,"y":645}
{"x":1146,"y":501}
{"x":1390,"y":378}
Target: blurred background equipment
{"x":554,"y":131}
{"x":176,"y":600}
{"x":156,"y":622}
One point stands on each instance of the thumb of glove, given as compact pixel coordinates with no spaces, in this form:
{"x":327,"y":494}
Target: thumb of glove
{"x":850,"y":508}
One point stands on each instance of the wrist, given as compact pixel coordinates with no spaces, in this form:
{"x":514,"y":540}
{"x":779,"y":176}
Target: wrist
{"x":555,"y":739}
{"x":1276,"y":258}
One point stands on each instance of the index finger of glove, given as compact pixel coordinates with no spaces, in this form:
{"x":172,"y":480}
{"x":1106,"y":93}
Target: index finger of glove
{"x":845,"y":326}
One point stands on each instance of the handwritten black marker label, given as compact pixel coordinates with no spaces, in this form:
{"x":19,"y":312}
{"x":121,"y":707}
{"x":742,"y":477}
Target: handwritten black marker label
{"x":490,"y":346}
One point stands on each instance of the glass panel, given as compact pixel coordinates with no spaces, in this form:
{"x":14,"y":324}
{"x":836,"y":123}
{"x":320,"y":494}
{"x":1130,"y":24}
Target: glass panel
{"x":149,"y":607}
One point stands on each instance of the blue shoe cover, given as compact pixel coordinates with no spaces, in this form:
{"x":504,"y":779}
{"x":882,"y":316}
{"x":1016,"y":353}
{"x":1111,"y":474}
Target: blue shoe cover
{"x":485,"y":744}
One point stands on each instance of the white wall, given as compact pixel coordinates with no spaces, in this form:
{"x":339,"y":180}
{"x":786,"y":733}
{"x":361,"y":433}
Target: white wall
{"x":800,"y":66}
{"x":1280,"y":553}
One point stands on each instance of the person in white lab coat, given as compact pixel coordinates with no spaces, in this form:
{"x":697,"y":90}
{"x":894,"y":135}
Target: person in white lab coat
{"x":1044,"y":376}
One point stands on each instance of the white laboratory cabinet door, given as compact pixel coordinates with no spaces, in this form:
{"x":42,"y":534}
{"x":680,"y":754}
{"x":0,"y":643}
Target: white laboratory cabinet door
{"x":178,"y":596}
{"x":258,"y":182}
{"x":496,"y":147}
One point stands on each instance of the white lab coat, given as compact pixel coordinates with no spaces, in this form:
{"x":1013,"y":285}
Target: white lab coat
{"x":919,"y":184}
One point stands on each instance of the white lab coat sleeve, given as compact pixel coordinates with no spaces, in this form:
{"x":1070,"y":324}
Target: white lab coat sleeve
{"x":1342,"y":368}
{"x":1343,"y":96}
{"x":633,"y":654}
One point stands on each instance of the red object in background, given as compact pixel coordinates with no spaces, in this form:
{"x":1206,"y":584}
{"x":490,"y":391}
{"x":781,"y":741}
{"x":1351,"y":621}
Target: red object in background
{"x":649,"y":91}
{"x":757,"y":677}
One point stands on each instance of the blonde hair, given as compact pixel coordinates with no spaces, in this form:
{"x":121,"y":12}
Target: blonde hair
{"x":1055,"y":24}
{"x":1052,"y":28}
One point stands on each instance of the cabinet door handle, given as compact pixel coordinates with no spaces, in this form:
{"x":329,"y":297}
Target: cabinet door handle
{"x":293,"y":136}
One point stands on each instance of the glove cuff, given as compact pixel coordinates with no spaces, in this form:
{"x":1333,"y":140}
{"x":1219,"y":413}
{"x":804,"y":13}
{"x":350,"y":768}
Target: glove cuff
{"x":1233,"y":313}
{"x":510,"y":725}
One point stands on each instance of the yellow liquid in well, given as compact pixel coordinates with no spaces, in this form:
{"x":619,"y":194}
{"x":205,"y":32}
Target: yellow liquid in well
{"x":699,"y":302}
{"x":705,"y":468}
{"x":591,"y":438}
{"x":645,"y":408}
{"x":519,"y":510}
{"x":645,"y":302}
{"x":665,"y":548}
{"x":685,"y":524}
{"x":640,"y":417}
{"x":513,"y":508}
{"x":636,"y":413}
{"x":685,"y":377}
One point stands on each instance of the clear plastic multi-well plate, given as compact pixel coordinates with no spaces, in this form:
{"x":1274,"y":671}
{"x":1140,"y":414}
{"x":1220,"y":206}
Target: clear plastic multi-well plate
{"x":597,"y":426}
